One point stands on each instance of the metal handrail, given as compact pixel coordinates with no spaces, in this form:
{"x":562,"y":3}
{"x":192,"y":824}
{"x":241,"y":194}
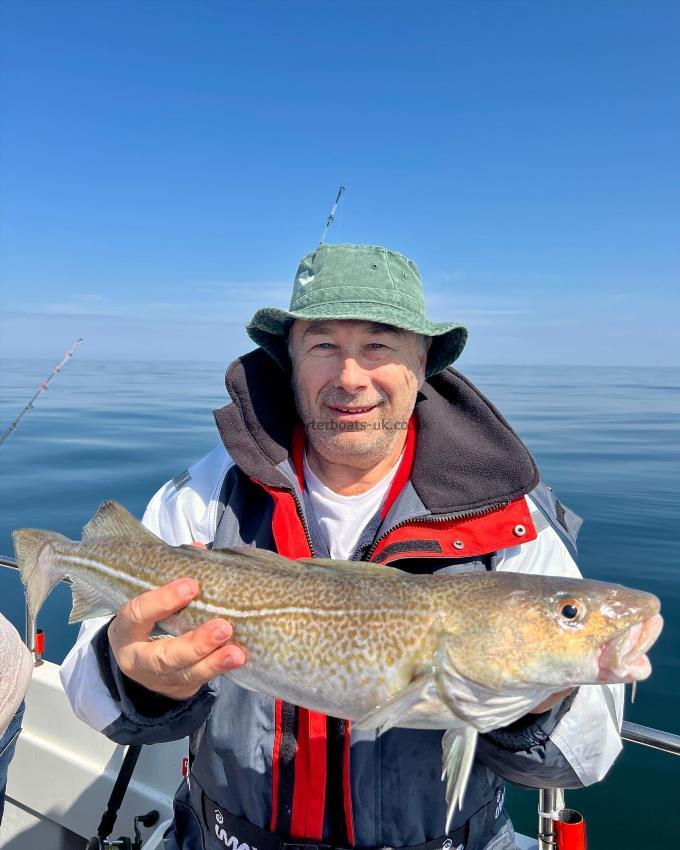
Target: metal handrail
{"x":657,"y":739}
{"x":6,"y":561}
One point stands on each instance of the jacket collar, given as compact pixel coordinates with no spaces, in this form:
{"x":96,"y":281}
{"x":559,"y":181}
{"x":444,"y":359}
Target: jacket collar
{"x":467,"y":455}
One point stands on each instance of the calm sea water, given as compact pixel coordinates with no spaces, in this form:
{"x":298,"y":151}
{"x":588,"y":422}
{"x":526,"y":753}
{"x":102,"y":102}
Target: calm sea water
{"x":608,"y":440}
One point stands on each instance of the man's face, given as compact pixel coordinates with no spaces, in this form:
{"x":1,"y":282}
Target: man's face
{"x":355,"y":386}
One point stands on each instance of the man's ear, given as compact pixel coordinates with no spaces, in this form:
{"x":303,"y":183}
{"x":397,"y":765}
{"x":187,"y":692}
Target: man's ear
{"x":426,"y":342}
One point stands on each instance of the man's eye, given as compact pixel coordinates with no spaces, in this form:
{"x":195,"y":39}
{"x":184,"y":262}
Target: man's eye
{"x":324,"y":346}
{"x":376,"y":346}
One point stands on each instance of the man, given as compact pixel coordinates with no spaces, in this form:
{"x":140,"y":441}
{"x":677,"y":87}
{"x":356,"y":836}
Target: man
{"x":347,"y":437}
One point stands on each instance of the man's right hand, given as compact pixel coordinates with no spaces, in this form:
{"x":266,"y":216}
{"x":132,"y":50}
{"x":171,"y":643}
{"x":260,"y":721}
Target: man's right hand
{"x":177,"y":666}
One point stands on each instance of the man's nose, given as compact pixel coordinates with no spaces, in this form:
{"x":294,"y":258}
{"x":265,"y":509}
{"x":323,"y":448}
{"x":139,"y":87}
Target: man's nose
{"x":351,"y":375}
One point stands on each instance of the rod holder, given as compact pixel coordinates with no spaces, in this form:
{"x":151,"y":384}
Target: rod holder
{"x":550,"y":801}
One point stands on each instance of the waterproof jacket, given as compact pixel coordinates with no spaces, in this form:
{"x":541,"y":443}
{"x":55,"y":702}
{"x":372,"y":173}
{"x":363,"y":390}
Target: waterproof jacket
{"x":467,"y":497}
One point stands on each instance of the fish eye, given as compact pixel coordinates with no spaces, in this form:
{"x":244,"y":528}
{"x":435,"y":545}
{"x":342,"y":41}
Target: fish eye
{"x":571,"y":610}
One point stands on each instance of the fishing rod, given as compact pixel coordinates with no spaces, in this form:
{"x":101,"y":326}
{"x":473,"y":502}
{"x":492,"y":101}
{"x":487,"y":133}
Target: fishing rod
{"x":41,"y":389}
{"x":331,"y":214}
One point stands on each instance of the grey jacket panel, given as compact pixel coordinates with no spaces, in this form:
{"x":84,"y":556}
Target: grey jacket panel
{"x":541,"y":766}
{"x":246,"y":514}
{"x":231,"y":755}
{"x":565,"y":522}
{"x":523,"y":753}
{"x":397,"y":789}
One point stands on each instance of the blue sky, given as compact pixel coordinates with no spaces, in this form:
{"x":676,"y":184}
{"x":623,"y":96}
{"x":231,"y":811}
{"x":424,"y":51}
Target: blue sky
{"x":166,"y":164}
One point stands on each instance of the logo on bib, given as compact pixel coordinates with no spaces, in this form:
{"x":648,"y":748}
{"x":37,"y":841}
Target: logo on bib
{"x":230,"y":841}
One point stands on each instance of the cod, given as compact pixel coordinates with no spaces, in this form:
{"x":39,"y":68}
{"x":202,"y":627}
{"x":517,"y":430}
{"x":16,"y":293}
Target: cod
{"x":464,"y":653}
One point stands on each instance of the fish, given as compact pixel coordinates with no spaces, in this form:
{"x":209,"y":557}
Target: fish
{"x":464,"y":653}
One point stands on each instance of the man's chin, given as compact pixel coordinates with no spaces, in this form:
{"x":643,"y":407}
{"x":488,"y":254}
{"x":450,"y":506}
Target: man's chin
{"x":356,"y":443}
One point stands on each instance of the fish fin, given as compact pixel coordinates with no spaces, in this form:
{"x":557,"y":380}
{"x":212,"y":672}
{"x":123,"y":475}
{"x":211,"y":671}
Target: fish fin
{"x":276,"y":560}
{"x":458,"y":753}
{"x":273,"y":559}
{"x":39,"y":571}
{"x":356,"y":568}
{"x":88,"y":602}
{"x":113,"y":520}
{"x":265,"y":555}
{"x":395,"y":708}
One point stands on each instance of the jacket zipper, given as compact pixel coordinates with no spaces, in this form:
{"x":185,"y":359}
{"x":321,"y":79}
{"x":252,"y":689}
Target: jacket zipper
{"x":303,"y":521}
{"x":442,"y":518}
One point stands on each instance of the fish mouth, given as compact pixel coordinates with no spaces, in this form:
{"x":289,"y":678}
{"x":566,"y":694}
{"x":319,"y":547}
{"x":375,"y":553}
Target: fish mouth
{"x":623,"y":659}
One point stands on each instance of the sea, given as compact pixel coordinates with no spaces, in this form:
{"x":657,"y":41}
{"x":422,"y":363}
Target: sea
{"x":606,"y":439}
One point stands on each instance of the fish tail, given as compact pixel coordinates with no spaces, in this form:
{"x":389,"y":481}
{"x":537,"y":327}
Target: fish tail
{"x":40,"y":570}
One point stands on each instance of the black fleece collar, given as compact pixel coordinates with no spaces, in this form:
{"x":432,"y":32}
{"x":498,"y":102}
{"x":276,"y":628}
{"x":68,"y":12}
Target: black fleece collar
{"x":467,"y":455}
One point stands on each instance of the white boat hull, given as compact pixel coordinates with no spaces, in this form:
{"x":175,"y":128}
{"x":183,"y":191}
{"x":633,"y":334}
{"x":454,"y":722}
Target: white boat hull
{"x":63,"y":772}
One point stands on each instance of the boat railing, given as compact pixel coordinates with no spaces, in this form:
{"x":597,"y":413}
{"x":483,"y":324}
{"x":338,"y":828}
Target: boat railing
{"x":551,"y":800}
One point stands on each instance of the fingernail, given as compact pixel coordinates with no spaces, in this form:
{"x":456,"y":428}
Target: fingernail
{"x":187,"y":588}
{"x":222,"y":632}
{"x":232,"y":658}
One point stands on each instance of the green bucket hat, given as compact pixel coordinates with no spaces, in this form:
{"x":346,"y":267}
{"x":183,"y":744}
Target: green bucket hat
{"x":364,"y":282}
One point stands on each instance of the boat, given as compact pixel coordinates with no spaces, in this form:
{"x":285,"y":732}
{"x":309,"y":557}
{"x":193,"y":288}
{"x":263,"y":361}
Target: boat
{"x":64,"y":772}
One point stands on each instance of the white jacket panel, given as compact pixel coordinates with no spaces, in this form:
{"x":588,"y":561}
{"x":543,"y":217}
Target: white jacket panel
{"x":188,"y":514}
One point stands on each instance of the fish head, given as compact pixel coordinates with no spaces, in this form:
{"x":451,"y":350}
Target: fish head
{"x":551,"y":632}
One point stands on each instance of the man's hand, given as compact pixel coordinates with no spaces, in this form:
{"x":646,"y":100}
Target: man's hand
{"x":551,"y":701}
{"x":178,"y":666}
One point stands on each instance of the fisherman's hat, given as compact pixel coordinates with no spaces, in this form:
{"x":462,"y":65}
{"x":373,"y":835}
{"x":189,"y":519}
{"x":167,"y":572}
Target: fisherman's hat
{"x":364,"y":282}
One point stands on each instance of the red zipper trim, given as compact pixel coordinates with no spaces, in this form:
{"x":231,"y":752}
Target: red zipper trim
{"x":309,"y":791}
{"x":347,"y":785}
{"x":276,"y":754}
{"x":405,"y":468}
{"x":501,"y":528}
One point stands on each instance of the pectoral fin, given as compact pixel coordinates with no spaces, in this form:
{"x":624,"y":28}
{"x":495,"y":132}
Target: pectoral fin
{"x":395,"y":709}
{"x":88,"y":602}
{"x":458,"y":753}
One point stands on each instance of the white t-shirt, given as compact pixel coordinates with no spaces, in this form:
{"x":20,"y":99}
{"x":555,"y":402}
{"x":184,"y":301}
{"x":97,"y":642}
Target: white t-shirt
{"x":343,"y":518}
